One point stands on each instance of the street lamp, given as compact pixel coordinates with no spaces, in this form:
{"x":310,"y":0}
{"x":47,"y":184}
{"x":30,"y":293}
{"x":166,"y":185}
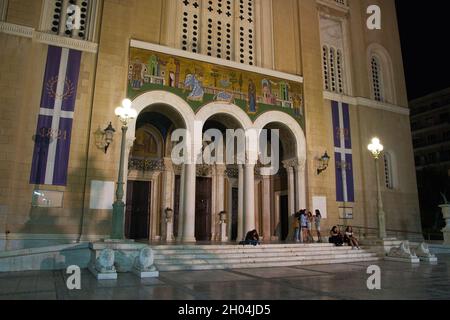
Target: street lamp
{"x":125,"y":113}
{"x":376,"y":148}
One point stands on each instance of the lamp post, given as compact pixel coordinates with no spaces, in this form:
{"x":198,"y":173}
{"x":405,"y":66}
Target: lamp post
{"x":376,"y":148}
{"x":125,"y":114}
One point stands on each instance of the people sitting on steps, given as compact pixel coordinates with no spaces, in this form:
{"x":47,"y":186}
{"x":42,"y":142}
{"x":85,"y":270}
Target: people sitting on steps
{"x":350,"y":239}
{"x":252,"y":238}
{"x":336,"y":236}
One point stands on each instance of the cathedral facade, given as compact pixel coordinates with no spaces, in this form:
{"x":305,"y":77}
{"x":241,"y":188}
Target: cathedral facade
{"x":311,"y":72}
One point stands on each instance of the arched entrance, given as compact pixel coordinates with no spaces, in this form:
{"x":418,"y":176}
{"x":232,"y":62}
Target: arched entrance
{"x":288,"y":185}
{"x":225,"y":192}
{"x":154,"y":182}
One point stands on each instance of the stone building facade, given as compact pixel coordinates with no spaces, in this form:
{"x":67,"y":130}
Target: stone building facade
{"x":309,"y":68}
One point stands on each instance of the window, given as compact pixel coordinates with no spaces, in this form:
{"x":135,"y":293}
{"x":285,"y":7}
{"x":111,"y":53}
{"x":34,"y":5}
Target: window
{"x":388,"y":178}
{"x":59,"y":15}
{"x":333,"y":73}
{"x":377,"y":85}
{"x":219,"y":28}
{"x":333,"y":58}
{"x":3,"y":9}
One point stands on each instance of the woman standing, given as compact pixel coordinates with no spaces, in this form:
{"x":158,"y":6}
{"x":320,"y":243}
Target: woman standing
{"x":309,"y":227}
{"x":317,"y":220}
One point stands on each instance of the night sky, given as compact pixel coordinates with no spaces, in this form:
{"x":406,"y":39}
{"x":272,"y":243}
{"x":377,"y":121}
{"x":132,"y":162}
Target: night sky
{"x":425,"y":36}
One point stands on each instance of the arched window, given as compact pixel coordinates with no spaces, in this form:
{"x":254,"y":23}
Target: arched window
{"x":333,"y":69}
{"x":388,"y":171}
{"x":377,"y":79}
{"x":219,"y":28}
{"x":326,"y":68}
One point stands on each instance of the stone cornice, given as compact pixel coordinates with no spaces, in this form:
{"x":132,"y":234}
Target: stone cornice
{"x":47,"y":38}
{"x":365,"y":102}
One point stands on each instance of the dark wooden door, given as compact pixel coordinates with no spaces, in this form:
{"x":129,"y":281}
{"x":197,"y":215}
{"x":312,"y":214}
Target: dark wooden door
{"x":176,"y":206}
{"x":138,"y":210}
{"x":203,"y":209}
{"x":234,"y":213}
{"x":284,"y":213}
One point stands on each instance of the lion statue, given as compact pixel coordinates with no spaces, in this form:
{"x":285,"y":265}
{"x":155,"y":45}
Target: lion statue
{"x":145,"y":260}
{"x":402,"y":252}
{"x":423,"y":251}
{"x":105,"y":261}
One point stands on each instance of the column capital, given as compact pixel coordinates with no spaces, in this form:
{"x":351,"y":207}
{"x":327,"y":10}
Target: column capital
{"x":301,"y":164}
{"x":220,"y":169}
{"x":291,"y":163}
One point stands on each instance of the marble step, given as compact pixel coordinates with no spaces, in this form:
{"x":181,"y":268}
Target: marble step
{"x":263,"y":264}
{"x":227,"y":246}
{"x":205,"y":255}
{"x":215,"y":260}
{"x":247,"y":250}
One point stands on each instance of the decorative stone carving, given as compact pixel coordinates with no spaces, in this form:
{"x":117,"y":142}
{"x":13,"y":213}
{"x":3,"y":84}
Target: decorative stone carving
{"x":146,"y":165}
{"x":177,"y":169}
{"x":103,"y":267}
{"x":402,"y":253}
{"x":123,"y":262}
{"x":424,"y":254}
{"x":232,"y":172}
{"x":105,"y":261}
{"x":203,"y":170}
{"x":144,"y":264}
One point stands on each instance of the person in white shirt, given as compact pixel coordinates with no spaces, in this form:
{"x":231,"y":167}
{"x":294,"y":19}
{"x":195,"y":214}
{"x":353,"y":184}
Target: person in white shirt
{"x":350,"y":238}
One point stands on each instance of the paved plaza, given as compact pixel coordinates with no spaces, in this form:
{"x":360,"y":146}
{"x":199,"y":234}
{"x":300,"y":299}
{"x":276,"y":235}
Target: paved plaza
{"x":325,"y":282}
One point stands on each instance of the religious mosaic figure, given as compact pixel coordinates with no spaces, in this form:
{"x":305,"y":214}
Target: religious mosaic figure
{"x":136,"y":74}
{"x":153,"y":66}
{"x":197,"y":90}
{"x":267,"y":92}
{"x":251,"y":96}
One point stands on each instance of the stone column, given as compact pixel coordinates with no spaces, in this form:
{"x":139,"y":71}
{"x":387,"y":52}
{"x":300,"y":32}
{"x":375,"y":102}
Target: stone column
{"x":266,"y":197}
{"x":301,"y":189}
{"x":220,"y":195}
{"x":301,"y":186}
{"x":249,"y":198}
{"x":230,"y":209}
{"x":181,"y":206}
{"x":291,"y":201}
{"x":167,"y":196}
{"x":240,"y":224}
{"x":214,"y":199}
{"x":189,"y":203}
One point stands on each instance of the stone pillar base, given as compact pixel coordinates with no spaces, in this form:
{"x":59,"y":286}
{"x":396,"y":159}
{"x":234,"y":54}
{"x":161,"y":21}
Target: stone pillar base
{"x":446,"y":236}
{"x":102,"y":276}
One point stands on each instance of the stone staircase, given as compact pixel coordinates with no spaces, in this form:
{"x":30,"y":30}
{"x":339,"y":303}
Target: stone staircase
{"x":233,"y":256}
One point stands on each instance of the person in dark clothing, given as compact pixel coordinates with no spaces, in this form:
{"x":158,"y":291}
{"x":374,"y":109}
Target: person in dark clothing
{"x":252,"y":238}
{"x":336,"y":237}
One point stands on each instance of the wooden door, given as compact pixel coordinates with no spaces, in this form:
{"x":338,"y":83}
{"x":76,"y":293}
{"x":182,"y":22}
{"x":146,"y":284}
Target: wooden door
{"x":137,"y":221}
{"x":284,"y":221}
{"x":203,"y":209}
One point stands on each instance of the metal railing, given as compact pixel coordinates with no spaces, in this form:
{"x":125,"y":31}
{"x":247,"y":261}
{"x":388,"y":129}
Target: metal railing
{"x":368,"y":232}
